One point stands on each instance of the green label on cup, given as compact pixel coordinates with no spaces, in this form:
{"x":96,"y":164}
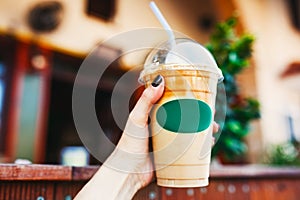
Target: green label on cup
{"x":184,"y":116}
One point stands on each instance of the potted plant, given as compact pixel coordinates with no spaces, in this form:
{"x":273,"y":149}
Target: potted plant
{"x":284,"y":154}
{"x":232,"y":53}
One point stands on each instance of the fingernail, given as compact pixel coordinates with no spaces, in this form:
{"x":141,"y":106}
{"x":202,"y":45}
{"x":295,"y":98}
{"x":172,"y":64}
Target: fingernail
{"x":157,"y":81}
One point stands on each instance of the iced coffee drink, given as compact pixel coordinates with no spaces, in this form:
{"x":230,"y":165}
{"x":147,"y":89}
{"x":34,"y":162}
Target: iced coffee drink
{"x":181,"y":122}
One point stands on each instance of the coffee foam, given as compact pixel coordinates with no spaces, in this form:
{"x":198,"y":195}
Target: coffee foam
{"x":185,"y":55}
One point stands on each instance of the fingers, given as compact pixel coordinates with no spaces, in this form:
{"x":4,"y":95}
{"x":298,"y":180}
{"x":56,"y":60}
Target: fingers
{"x":216,"y":127}
{"x":139,"y":114}
{"x":213,"y":141}
{"x":136,"y":127}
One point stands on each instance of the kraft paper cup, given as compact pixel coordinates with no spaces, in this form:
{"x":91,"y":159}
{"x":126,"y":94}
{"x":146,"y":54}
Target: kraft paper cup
{"x":181,"y":125}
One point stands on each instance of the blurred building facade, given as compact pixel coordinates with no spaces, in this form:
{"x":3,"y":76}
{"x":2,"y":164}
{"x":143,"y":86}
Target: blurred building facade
{"x":42,"y":65}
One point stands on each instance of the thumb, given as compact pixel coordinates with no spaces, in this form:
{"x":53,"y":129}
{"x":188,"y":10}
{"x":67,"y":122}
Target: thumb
{"x":139,"y":114}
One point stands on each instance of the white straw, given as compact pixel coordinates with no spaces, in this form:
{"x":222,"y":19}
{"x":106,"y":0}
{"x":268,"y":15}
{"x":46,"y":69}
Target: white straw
{"x":163,"y":22}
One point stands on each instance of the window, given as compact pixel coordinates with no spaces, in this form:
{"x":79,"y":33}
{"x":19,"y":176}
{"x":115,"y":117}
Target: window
{"x":2,"y":91}
{"x":103,"y":9}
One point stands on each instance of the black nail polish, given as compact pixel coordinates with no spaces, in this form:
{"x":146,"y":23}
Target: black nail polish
{"x":157,"y":81}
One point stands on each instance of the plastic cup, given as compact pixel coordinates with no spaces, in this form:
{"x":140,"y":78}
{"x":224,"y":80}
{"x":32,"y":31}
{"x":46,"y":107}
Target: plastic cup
{"x":181,"y":121}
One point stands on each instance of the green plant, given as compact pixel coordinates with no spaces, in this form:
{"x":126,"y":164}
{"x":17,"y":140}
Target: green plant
{"x":285,"y":154}
{"x":232,"y":54}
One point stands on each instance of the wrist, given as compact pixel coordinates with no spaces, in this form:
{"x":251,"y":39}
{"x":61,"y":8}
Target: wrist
{"x":125,"y":184}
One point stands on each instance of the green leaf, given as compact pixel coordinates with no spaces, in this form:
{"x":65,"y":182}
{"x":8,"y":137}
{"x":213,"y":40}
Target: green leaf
{"x":236,"y":146}
{"x":243,"y":46}
{"x":237,"y":128}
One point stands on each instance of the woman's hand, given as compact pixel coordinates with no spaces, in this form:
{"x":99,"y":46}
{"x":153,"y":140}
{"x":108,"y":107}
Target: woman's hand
{"x":132,"y":148}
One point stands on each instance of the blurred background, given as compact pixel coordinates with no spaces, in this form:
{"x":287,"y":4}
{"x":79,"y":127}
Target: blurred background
{"x":44,"y":42}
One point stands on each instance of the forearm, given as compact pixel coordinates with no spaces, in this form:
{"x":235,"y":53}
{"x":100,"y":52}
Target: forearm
{"x":109,"y":183}
{"x":129,"y":167}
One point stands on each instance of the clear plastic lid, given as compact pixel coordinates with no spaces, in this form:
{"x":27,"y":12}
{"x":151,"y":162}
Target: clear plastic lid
{"x":185,"y":53}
